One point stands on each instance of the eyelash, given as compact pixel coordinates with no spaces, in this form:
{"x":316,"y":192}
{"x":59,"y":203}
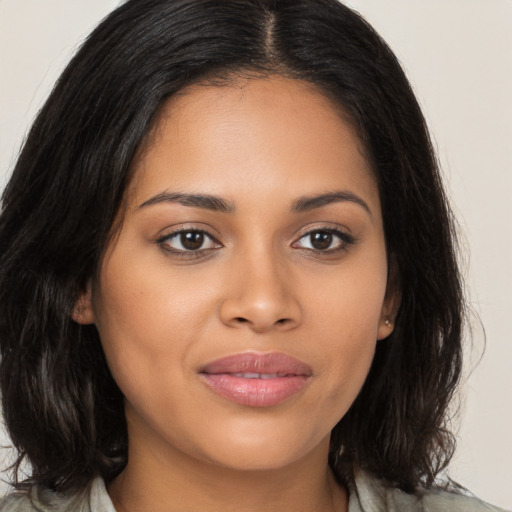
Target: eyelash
{"x":345,"y":241}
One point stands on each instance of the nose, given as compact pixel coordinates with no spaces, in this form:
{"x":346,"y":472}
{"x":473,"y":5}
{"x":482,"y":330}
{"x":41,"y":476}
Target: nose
{"x":261,"y":296}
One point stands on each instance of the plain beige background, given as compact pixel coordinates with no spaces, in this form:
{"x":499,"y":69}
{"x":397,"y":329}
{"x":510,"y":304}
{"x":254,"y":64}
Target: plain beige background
{"x":458,"y":55}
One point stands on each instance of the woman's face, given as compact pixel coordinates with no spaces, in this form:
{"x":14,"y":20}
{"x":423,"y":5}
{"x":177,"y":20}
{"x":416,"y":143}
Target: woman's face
{"x":240,"y":303}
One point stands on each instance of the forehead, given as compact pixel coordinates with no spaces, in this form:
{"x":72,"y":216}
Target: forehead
{"x":274,"y":132}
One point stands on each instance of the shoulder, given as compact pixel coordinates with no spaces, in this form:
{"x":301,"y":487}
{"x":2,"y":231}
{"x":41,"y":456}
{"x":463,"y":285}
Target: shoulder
{"x":39,"y":500}
{"x":444,"y":501}
{"x":369,"y":494}
{"x":92,"y":499}
{"x":16,"y":502}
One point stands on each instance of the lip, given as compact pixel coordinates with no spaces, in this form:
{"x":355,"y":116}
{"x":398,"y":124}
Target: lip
{"x":256,"y":380}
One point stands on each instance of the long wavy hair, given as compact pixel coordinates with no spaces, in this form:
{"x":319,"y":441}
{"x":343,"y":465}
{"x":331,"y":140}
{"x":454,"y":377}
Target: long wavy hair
{"x":63,"y":410}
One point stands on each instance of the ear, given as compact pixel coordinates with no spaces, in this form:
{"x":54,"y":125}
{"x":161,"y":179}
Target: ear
{"x":83,"y":312}
{"x":391,"y":303}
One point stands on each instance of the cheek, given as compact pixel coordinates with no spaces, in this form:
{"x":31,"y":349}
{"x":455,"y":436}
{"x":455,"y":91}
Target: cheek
{"x":136,"y":299}
{"x":345,"y":313}
{"x":149,"y":318}
{"x":348,"y":301}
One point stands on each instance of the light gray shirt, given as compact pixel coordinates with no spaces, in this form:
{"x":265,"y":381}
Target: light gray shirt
{"x":368,"y":495}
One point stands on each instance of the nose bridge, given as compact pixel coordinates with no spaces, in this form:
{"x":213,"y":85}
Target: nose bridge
{"x":262,"y":293}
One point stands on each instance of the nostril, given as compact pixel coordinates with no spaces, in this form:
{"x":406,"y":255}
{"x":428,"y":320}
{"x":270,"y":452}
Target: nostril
{"x":241,"y":319}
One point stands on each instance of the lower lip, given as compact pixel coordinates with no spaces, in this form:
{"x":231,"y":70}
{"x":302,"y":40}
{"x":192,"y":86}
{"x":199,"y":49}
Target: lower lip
{"x":255,"y":392}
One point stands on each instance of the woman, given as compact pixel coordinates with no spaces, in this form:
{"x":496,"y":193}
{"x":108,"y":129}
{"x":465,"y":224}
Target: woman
{"x":227,"y":274}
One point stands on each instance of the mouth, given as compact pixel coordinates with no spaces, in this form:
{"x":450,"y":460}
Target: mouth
{"x":256,"y":380}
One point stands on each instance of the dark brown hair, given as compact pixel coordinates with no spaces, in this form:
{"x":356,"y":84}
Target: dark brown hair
{"x":62,"y":408}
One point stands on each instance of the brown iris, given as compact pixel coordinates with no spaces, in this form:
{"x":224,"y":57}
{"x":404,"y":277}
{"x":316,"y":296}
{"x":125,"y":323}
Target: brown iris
{"x":321,"y":240}
{"x":192,"y":240}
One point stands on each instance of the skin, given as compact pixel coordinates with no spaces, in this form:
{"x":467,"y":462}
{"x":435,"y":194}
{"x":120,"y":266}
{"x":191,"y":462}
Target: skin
{"x":256,"y":285}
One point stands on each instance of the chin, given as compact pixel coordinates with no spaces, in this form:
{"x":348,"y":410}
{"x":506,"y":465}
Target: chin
{"x":255,"y":460}
{"x":263,"y":452}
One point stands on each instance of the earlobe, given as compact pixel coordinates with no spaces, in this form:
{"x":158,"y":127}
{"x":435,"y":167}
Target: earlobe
{"x":83,"y":312}
{"x":386,"y":326}
{"x":391,"y":304}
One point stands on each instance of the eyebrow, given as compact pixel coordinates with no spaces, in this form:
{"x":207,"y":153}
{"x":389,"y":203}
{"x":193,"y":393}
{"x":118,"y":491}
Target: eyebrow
{"x":206,"y":201}
{"x":307,"y":203}
{"x":218,"y":204}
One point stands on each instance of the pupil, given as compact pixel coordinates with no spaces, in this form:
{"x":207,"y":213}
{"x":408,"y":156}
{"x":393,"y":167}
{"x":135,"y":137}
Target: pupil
{"x":192,"y":240}
{"x":321,"y":240}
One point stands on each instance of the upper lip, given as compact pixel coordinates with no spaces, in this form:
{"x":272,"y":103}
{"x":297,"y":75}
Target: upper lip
{"x":263,"y":363}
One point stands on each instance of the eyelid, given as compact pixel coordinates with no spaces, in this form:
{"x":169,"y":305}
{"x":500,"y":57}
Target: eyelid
{"x":329,"y":226}
{"x":188,"y":226}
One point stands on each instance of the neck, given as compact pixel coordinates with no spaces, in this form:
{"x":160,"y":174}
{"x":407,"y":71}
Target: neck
{"x":163,"y":479}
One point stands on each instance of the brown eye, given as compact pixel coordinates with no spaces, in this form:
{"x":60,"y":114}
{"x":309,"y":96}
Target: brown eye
{"x":321,"y":240}
{"x":188,"y":241}
{"x":192,"y":240}
{"x":325,"y":240}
